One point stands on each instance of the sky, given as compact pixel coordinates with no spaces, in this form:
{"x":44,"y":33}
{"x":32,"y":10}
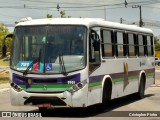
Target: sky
{"x":110,"y":10}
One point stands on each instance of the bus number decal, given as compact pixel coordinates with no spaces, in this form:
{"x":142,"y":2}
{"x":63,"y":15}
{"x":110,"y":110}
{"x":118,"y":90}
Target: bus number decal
{"x":71,"y":82}
{"x":23,"y":64}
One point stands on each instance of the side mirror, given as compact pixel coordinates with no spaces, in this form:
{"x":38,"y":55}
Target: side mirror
{"x":10,"y":35}
{"x":4,"y":51}
{"x":4,"y":48}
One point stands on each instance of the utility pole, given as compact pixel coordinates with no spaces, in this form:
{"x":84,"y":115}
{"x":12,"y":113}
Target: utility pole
{"x":104,"y":13}
{"x":121,"y":20}
{"x":140,"y":21}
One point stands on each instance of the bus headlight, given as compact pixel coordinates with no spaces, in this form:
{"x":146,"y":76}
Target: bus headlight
{"x":77,"y":86}
{"x":16,"y":87}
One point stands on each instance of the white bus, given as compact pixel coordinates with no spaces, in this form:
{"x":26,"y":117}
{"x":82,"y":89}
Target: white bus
{"x":79,"y":62}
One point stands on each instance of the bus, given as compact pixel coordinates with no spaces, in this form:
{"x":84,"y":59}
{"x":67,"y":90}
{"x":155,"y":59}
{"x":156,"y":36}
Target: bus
{"x":79,"y":62}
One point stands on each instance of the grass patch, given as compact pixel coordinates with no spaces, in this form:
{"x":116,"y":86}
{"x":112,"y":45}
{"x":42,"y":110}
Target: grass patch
{"x":4,"y":77}
{"x":157,"y":54}
{"x":4,"y":63}
{"x":4,"y":80}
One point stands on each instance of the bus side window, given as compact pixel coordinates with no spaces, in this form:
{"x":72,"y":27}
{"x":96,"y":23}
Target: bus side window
{"x":132,"y":45}
{"x":152,"y":46}
{"x":145,"y":45}
{"x":136,"y":44}
{"x":141,"y":45}
{"x":120,"y":43}
{"x":149,"y":45}
{"x":107,"y":43}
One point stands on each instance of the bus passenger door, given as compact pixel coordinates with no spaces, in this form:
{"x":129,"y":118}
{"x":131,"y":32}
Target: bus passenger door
{"x":94,"y":90}
{"x":94,"y":51}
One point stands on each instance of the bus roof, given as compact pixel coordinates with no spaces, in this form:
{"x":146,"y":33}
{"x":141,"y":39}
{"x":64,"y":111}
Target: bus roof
{"x":89,"y":22}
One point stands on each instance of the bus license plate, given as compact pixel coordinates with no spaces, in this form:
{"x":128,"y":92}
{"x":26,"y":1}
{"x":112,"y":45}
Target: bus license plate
{"x":44,"y":105}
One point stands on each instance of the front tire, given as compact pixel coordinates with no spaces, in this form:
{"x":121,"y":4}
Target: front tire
{"x":106,"y":96}
{"x":141,"y":90}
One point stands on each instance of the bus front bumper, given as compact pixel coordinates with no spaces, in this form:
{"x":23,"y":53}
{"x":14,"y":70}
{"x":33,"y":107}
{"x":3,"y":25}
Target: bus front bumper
{"x":66,"y":98}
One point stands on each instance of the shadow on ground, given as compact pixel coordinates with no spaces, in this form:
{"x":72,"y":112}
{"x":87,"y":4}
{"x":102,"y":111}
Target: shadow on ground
{"x":92,"y":110}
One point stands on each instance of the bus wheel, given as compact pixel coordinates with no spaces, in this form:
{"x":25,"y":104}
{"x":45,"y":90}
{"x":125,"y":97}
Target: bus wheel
{"x":101,"y":107}
{"x":140,"y":93}
{"x":106,"y":96}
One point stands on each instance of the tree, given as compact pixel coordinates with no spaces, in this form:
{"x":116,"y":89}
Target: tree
{"x":49,"y":16}
{"x":156,"y":44}
{"x":63,"y":14}
{"x":3,"y":31}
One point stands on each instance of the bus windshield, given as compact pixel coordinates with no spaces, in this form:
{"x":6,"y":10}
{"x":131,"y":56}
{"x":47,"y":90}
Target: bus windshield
{"x":54,"y":48}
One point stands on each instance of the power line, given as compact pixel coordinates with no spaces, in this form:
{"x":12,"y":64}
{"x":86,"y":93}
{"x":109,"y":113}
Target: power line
{"x":152,"y":7}
{"x":83,"y":5}
{"x":88,"y":3}
{"x":147,"y":22}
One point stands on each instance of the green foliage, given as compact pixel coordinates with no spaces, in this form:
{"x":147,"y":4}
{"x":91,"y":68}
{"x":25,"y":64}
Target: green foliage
{"x":4,"y":31}
{"x":49,"y":16}
{"x":8,"y":44}
{"x":4,"y":63}
{"x":156,"y":44}
{"x":63,"y":14}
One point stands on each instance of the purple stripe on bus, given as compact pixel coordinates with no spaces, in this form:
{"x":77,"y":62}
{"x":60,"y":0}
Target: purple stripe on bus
{"x":98,"y":78}
{"x":20,"y":80}
{"x":119,"y":75}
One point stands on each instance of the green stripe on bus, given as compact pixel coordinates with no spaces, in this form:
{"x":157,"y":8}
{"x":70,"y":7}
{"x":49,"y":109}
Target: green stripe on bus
{"x":122,"y":79}
{"x":133,"y":78}
{"x":150,"y":74}
{"x":48,"y":85}
{"x":118,"y":80}
{"x":95,"y":84}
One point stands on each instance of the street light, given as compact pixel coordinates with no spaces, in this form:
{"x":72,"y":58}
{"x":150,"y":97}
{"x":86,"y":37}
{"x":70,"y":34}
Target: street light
{"x":140,"y":22}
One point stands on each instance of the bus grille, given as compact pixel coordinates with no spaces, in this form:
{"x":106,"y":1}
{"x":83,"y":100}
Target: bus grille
{"x":55,"y":101}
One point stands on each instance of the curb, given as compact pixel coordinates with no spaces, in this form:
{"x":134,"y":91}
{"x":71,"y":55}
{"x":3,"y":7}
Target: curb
{"x":155,"y":85}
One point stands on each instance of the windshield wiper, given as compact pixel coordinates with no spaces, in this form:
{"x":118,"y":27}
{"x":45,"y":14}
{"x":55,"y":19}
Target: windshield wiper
{"x":34,"y":61}
{"x":61,"y":62}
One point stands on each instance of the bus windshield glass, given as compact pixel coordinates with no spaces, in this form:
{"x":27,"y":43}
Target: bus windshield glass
{"x":45,"y":48}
